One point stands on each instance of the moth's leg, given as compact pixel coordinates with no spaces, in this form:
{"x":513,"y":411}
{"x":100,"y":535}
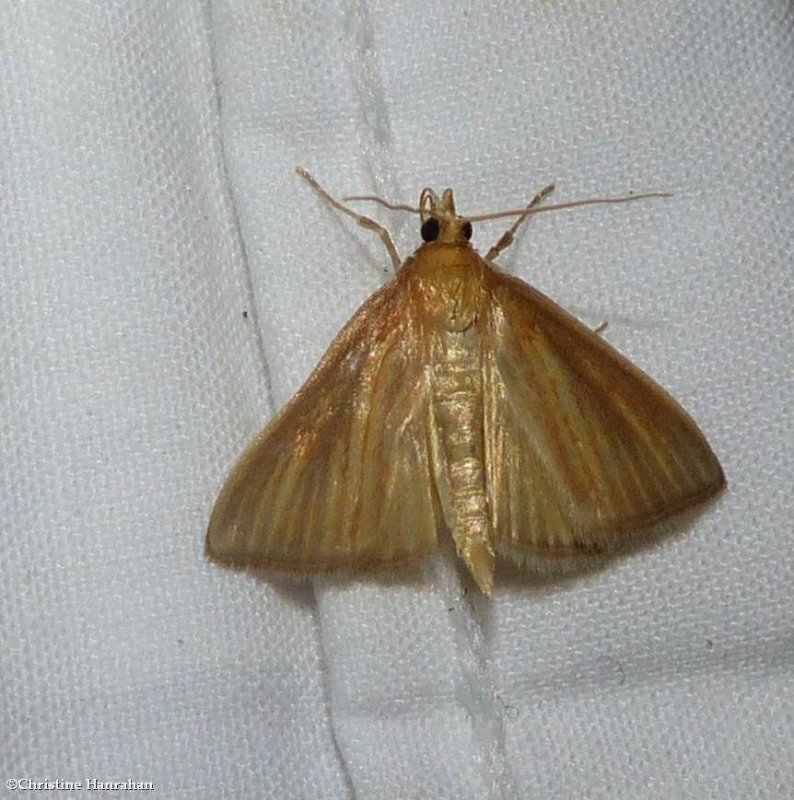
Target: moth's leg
{"x":364,"y":222}
{"x":601,"y":328}
{"x":508,"y":236}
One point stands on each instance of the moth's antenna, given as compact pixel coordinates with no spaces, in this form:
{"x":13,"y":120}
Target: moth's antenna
{"x":393,"y":206}
{"x":573,"y":204}
{"x":369,"y":198}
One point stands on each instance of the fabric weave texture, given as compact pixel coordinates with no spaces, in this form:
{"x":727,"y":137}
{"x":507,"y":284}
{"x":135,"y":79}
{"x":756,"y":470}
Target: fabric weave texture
{"x":168,"y":283}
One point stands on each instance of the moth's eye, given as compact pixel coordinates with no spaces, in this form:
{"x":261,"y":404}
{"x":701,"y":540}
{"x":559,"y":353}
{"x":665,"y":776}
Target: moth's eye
{"x":467,"y":230}
{"x":430,"y":229}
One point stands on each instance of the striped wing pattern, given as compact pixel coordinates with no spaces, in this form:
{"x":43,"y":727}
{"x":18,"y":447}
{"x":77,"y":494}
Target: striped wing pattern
{"x":342,"y":477}
{"x":581,"y":446}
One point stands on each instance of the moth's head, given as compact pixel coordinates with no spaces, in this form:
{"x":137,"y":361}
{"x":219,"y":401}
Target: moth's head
{"x":440,"y":223}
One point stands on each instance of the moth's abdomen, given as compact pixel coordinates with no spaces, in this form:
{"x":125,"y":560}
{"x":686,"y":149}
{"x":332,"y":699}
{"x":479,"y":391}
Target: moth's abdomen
{"x":460,"y":469}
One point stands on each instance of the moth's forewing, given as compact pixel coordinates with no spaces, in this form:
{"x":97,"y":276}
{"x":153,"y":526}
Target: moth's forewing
{"x":582,"y":447}
{"x":341,"y":479}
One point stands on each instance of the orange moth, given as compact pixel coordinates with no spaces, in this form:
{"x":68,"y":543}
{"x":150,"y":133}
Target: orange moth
{"x":460,"y":399}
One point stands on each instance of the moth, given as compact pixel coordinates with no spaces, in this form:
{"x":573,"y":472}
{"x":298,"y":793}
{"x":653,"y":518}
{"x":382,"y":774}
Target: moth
{"x":460,"y":399}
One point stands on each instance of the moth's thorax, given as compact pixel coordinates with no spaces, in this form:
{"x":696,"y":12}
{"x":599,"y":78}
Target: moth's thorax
{"x":448,"y":280}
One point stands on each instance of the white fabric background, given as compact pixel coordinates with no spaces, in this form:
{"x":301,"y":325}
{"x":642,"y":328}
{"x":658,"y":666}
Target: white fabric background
{"x":148,"y":200}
